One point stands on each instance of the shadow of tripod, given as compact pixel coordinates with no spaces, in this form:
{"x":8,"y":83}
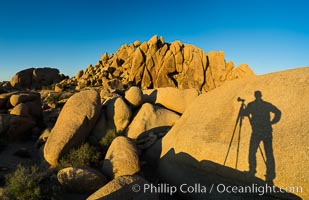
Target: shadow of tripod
{"x":239,"y":120}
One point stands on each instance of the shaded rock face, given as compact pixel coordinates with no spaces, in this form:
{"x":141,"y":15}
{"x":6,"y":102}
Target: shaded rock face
{"x":157,"y":64}
{"x":2,"y":89}
{"x":101,"y":128}
{"x":27,"y":104}
{"x":74,"y":124}
{"x":200,"y":138}
{"x":23,"y":98}
{"x":21,"y":112}
{"x":81,"y":179}
{"x":16,"y":127}
{"x":36,"y":78}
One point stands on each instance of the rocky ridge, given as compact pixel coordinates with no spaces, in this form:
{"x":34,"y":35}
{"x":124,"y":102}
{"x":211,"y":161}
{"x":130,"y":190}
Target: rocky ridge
{"x":157,"y":64}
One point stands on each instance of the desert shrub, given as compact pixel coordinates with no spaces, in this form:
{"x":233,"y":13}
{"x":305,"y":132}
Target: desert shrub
{"x":23,"y":184}
{"x":48,"y":87}
{"x":85,"y":155}
{"x":51,"y":188}
{"x":31,"y":183}
{"x":110,"y":135}
{"x":52,"y":98}
{"x":108,"y":138}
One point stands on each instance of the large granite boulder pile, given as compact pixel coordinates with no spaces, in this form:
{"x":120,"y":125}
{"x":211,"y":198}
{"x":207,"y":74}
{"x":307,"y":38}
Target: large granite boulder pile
{"x":36,"y":78}
{"x":20,"y":114}
{"x":156,"y":64}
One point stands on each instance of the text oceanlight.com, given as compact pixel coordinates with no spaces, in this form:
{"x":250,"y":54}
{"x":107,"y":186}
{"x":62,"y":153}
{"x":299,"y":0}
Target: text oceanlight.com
{"x":198,"y":188}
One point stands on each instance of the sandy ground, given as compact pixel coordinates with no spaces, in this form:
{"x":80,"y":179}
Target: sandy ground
{"x":9,"y":161}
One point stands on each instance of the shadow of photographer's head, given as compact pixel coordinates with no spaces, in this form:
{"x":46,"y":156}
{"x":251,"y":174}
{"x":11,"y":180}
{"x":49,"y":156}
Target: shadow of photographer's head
{"x":258,"y":95}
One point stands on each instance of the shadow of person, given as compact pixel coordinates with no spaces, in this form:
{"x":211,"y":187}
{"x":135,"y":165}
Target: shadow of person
{"x":258,"y":112}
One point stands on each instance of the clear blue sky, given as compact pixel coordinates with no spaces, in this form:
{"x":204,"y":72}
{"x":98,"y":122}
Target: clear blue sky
{"x":69,"y":35}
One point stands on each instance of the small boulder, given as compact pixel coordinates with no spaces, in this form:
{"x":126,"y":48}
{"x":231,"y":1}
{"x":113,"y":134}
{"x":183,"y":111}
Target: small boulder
{"x":16,"y":99}
{"x":16,"y":127}
{"x":119,"y":114}
{"x":243,"y":70}
{"x":172,"y":98}
{"x":153,"y":41}
{"x":121,"y":158}
{"x":79,"y":74}
{"x":134,"y":96}
{"x":5,"y":98}
{"x":82,"y":83}
{"x":28,"y":109}
{"x":151,"y":117}
{"x":137,"y":43}
{"x":81,"y":179}
{"x":21,"y":110}
{"x":105,"y":93}
{"x":58,"y":88}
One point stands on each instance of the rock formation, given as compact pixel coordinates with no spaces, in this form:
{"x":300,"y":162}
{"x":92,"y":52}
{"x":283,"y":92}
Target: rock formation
{"x":134,"y":96}
{"x":73,"y":125}
{"x":21,"y":114}
{"x":171,"y":98}
{"x":119,"y":114}
{"x":151,"y":117}
{"x":157,"y":64}
{"x":36,"y":78}
{"x":121,"y":161}
{"x":154,"y":112}
{"x":200,"y":139}
{"x":81,"y":179}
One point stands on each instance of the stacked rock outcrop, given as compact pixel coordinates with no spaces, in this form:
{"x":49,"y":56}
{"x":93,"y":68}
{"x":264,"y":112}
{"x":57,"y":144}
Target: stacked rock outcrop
{"x":157,"y":64}
{"x":136,"y":120}
{"x":83,"y":116}
{"x":20,"y":114}
{"x":36,"y":78}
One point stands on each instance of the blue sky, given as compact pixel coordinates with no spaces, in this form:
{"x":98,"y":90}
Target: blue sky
{"x":68,"y":35}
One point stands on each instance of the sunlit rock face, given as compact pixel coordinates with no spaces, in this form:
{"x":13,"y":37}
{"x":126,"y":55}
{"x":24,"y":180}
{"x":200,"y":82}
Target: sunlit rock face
{"x":157,"y":64}
{"x":195,"y":148}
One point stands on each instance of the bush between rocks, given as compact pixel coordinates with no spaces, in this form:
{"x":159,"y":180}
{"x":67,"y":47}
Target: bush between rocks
{"x":110,"y":135}
{"x":83,"y":156}
{"x":27,"y":183}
